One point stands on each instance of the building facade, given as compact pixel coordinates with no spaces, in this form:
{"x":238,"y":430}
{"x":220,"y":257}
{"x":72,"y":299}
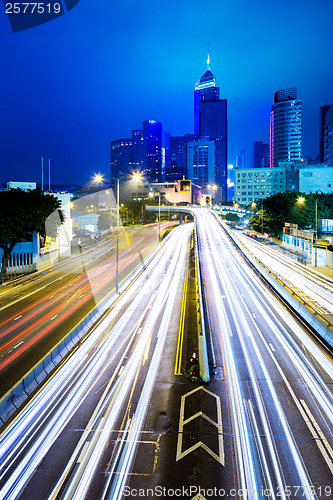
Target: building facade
{"x":177,"y":168}
{"x":202,"y":163}
{"x":252,"y":184}
{"x":326,"y":135}
{"x":121,"y":158}
{"x":285,"y":127}
{"x":146,"y":152}
{"x":314,"y":178}
{"x":260,"y":155}
{"x":210,"y":124}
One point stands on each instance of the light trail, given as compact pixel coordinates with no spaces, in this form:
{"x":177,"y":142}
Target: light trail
{"x":29,"y":437}
{"x":318,"y":288}
{"x":246,"y":335}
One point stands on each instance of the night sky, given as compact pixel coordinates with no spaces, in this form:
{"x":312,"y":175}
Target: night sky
{"x":72,"y":85}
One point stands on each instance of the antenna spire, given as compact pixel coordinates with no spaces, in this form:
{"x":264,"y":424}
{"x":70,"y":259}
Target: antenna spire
{"x":208,"y":59}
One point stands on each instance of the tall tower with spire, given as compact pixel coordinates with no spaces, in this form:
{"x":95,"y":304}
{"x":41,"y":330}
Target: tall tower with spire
{"x":210,"y":132}
{"x":205,"y":89}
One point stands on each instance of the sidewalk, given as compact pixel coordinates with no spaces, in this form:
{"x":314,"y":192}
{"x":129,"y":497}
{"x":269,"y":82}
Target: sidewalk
{"x":324,"y":270}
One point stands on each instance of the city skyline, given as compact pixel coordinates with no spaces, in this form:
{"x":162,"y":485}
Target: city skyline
{"x":79,"y":82}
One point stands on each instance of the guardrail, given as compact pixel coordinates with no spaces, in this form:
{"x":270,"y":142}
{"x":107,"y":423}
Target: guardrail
{"x":17,"y":395}
{"x":316,"y":321}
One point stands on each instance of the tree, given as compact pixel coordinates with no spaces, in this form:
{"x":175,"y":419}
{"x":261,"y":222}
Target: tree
{"x":286,"y":207}
{"x":22,"y":213}
{"x":231,"y":217}
{"x":106,"y":220}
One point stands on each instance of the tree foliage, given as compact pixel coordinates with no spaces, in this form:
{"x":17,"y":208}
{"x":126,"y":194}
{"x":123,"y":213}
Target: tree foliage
{"x":106,"y":220}
{"x":22,"y":213}
{"x":231,"y":217}
{"x":286,"y":207}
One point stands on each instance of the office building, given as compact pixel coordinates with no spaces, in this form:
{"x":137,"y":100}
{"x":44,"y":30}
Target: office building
{"x":285,"y":127}
{"x":201,"y":161}
{"x":210,"y":124}
{"x":326,"y":135}
{"x":121,"y":158}
{"x":314,"y":178}
{"x":252,"y":184}
{"x":177,"y":168}
{"x":146,"y":152}
{"x":260,"y":155}
{"x":154,"y":150}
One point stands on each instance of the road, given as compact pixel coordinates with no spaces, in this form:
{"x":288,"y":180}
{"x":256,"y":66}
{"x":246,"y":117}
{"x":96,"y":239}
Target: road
{"x":58,"y":446}
{"x":121,"y":420}
{"x":316,"y":289}
{"x":277,"y":405}
{"x":262,"y":427}
{"x":37,"y":314}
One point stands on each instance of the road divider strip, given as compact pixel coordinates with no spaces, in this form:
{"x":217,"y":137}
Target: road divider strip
{"x":202,"y":337}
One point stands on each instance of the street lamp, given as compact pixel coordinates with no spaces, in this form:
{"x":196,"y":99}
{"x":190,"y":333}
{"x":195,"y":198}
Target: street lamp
{"x":137,"y":177}
{"x":302,"y":200}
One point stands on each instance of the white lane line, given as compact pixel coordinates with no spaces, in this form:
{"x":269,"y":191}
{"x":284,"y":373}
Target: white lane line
{"x":254,"y":316}
{"x":272,"y":347}
{"x":18,"y":317}
{"x":319,"y":438}
{"x":121,"y":370}
{"x":84,"y":449}
{"x":81,"y":296}
{"x":18,"y":344}
{"x":54,"y":317}
{"x":51,"y":297}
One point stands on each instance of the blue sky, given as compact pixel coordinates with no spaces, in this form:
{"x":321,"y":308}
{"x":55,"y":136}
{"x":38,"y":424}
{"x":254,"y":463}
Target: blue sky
{"x":72,"y":85}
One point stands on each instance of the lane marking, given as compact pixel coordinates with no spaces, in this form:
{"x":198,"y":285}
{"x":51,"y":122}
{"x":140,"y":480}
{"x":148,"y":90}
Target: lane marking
{"x":18,"y":317}
{"x":319,"y":437}
{"x":84,"y":449}
{"x":179,"y":351}
{"x":182,"y":422}
{"x":272,"y":347}
{"x":54,"y":317}
{"x":18,"y":344}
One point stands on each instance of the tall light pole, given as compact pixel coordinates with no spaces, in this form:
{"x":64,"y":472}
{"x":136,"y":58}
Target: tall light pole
{"x":262,"y":221}
{"x":117,"y":259}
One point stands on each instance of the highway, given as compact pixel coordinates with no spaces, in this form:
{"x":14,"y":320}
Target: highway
{"x":36,"y":314}
{"x":58,"y":446}
{"x":279,"y":406}
{"x":122,"y":419}
{"x":315,"y":288}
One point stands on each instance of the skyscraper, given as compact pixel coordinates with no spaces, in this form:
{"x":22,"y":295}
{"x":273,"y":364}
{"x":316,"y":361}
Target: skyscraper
{"x":205,"y":88}
{"x":147,"y":153}
{"x":121,"y":158}
{"x":285,"y":127}
{"x":210,"y":124}
{"x":326,"y":135}
{"x":260,"y":155}
{"x":154,"y":144}
{"x":177,"y":168}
